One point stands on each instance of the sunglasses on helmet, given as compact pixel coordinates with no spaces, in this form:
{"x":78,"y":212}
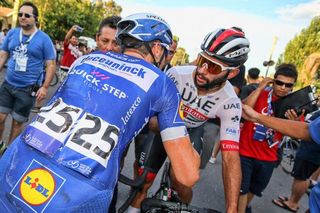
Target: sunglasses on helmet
{"x":213,"y":67}
{"x":281,"y":83}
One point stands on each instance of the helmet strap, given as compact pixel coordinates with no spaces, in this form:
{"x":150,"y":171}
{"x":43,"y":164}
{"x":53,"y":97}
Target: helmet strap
{"x":146,"y":44}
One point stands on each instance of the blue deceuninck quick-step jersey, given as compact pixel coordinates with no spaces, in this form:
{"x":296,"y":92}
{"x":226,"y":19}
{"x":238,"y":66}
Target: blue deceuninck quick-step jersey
{"x":68,"y":158}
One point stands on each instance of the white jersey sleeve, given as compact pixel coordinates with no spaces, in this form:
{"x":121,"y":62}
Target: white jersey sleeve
{"x":230,"y":114}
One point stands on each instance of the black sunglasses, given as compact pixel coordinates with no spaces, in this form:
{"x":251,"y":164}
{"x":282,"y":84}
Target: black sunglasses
{"x":171,"y":52}
{"x":281,"y":83}
{"x":27,"y":15}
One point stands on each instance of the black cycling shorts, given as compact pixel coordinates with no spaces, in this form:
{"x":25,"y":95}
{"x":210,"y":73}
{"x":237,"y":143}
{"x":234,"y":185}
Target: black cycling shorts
{"x":302,"y":169}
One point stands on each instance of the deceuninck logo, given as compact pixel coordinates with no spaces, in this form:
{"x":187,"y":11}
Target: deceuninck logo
{"x":37,"y":186}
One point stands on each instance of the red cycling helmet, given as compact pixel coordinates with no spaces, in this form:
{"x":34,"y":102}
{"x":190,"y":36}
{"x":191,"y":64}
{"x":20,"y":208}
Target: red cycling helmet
{"x":229,"y":46}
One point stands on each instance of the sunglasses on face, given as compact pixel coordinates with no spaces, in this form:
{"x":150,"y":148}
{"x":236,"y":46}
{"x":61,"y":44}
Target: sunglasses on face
{"x":281,"y":83}
{"x":171,"y":52}
{"x":212,"y":67}
{"x":27,"y":15}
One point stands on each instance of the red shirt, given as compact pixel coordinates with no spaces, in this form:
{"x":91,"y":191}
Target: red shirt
{"x":249,"y":147}
{"x":70,"y":54}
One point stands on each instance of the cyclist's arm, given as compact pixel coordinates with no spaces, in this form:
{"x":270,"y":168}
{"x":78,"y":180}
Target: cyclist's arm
{"x":230,"y":113}
{"x":184,"y":159}
{"x":3,"y":58}
{"x":231,"y":172}
{"x":295,"y":129}
{"x":253,"y":97}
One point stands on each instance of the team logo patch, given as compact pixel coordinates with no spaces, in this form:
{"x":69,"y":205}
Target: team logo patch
{"x":37,"y":186}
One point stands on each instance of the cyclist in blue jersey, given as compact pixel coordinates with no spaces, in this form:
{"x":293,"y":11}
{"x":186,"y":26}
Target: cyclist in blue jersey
{"x":68,"y":158}
{"x":308,"y":132}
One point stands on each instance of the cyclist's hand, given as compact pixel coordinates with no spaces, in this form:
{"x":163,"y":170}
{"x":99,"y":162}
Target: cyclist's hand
{"x":248,"y":113}
{"x":265,"y":82}
{"x":291,"y":114}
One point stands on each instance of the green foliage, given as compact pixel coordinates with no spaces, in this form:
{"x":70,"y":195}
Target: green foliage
{"x":58,"y":16}
{"x":302,"y":46}
{"x":181,"y":57}
{"x":6,"y":3}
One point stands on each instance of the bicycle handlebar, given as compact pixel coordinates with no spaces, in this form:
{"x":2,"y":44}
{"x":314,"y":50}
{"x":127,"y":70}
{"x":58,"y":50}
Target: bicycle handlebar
{"x":154,"y":203}
{"x":136,"y":185}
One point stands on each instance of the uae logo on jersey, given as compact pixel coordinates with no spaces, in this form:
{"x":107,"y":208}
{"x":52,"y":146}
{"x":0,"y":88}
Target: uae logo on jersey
{"x":37,"y":186}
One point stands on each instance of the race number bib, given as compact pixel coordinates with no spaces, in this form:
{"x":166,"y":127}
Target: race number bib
{"x":84,"y":141}
{"x":50,"y":129}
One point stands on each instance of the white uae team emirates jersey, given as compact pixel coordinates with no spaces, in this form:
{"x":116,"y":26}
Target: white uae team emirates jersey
{"x":223,"y":104}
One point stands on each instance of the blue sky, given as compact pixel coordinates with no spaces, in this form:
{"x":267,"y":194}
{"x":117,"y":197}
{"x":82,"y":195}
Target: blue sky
{"x":262,"y":21}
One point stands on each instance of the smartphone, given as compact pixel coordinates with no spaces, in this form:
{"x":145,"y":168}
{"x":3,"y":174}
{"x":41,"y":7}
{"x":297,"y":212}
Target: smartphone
{"x":79,"y":29}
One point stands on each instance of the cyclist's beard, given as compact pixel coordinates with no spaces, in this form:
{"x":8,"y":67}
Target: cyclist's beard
{"x":213,"y":84}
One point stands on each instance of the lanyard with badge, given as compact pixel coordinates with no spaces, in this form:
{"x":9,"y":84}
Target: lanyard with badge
{"x":22,"y":58}
{"x":263,"y":133}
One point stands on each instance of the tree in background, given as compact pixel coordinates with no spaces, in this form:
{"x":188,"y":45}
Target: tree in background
{"x":56,"y":17}
{"x":181,"y":57}
{"x":304,"y":51}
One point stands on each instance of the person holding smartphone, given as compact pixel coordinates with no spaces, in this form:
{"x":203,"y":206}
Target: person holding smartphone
{"x":71,"y":51}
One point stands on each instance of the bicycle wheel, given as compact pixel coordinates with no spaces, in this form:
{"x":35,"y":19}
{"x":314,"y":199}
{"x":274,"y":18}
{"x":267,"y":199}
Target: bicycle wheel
{"x":55,"y":80}
{"x":289,"y":149}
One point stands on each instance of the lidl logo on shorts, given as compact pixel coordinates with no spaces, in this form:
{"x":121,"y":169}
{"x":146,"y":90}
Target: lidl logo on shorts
{"x":37,"y":186}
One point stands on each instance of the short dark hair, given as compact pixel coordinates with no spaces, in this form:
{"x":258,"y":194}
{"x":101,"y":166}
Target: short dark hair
{"x":35,"y":11}
{"x":110,"y":21}
{"x":288,"y":70}
{"x":254,"y":73}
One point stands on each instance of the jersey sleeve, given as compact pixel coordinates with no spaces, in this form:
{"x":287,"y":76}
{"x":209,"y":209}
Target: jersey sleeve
{"x":170,"y":116}
{"x":172,"y":73}
{"x":230,"y":114}
{"x":49,"y":50}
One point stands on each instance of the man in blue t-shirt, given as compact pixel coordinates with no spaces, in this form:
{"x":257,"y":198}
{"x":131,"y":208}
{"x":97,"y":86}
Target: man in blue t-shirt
{"x":28,"y":50}
{"x":68,"y":158}
{"x":305,"y":131}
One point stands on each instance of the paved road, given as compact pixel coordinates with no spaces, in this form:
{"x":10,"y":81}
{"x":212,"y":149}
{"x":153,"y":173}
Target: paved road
{"x":209,"y":192}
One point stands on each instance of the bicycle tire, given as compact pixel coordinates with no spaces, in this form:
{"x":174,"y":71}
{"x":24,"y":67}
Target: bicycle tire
{"x":289,"y":149}
{"x":54,"y":80}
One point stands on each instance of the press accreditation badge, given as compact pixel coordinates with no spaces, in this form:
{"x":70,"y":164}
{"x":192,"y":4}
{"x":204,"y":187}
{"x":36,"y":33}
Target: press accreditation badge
{"x":21,"y":64}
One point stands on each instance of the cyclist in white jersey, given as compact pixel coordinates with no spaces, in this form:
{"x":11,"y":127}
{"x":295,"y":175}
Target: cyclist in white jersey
{"x":68,"y":158}
{"x":206,"y":93}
